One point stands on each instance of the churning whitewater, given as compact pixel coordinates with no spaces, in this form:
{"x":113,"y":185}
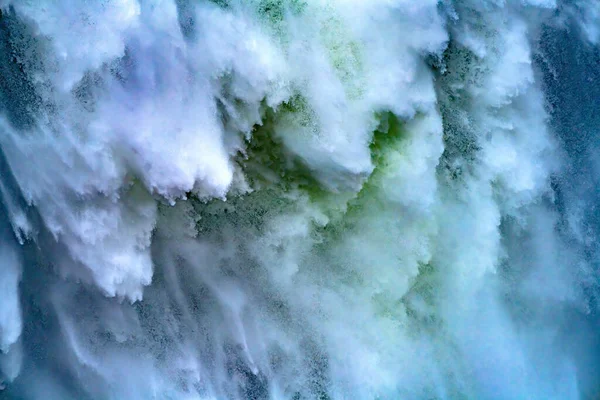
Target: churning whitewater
{"x":301,"y":199}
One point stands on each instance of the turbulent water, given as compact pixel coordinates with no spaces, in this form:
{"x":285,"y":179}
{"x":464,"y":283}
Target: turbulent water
{"x":302,"y":199}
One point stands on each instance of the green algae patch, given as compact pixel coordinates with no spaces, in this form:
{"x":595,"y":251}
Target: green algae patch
{"x":388,"y":140}
{"x":387,"y":137}
{"x":268,"y":162}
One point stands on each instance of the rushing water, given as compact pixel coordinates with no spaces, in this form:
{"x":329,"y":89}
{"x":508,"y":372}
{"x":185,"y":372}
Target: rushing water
{"x":302,"y":199}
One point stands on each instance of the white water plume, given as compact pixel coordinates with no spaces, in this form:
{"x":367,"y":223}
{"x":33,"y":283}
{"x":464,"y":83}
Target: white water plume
{"x":301,"y":199}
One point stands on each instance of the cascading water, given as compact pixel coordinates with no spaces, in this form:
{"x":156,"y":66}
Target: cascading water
{"x":301,"y":199}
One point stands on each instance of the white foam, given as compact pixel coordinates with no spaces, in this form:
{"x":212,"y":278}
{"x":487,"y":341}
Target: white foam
{"x":366,"y":265}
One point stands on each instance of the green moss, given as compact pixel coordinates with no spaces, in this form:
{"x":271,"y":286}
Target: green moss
{"x":275,"y":175}
{"x":388,"y":140}
{"x":347,"y":214}
{"x":267,"y":161}
{"x":278,"y":178}
{"x":387,"y":137}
